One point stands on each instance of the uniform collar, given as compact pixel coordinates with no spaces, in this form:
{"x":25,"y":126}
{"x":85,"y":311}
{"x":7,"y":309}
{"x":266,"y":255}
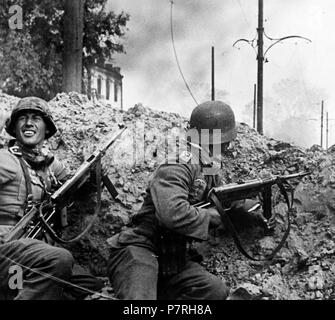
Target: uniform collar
{"x":36,"y":158}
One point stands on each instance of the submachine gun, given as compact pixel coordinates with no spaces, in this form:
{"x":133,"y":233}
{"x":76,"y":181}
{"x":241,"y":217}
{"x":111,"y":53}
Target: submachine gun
{"x":223,"y":198}
{"x":41,"y":218}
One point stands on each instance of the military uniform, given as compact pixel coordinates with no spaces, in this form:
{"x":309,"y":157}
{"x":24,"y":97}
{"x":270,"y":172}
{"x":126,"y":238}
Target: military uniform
{"x":13,"y":188}
{"x":32,"y":253}
{"x":152,"y":259}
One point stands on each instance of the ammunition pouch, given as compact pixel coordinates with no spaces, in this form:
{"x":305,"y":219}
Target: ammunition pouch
{"x":172,"y":251}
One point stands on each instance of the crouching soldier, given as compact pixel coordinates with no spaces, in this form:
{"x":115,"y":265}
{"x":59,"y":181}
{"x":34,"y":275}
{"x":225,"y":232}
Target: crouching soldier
{"x":153,"y":260}
{"x":28,"y":171}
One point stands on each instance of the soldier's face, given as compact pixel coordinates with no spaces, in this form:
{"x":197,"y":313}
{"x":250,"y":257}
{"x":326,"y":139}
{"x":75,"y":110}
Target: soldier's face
{"x":30,"y":129}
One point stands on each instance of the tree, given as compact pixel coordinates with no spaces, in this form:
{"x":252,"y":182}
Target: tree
{"x":73,"y":45}
{"x":31,"y":59}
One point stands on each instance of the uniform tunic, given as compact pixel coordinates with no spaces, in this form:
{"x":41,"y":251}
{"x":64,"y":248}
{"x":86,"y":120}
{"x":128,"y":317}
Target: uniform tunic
{"x":13,"y":191}
{"x":32,"y":254}
{"x":168,"y":205}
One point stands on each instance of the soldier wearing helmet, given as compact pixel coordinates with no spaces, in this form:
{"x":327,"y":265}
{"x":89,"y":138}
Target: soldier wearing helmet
{"x":31,"y":105}
{"x":28,"y":173}
{"x":155,"y":259}
{"x":216,"y":119}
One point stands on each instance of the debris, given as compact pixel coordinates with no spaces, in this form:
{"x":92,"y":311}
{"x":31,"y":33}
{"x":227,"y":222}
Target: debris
{"x":304,"y":262}
{"x":246,"y":291}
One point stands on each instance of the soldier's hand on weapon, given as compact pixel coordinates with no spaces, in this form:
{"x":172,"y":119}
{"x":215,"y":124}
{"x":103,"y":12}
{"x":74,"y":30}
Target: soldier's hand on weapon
{"x":254,"y":210}
{"x":268,"y":224}
{"x":271,"y":223}
{"x":215,"y":218}
{"x":258,"y":216}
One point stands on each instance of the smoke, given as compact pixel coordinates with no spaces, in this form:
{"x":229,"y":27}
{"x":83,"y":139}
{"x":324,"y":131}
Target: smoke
{"x":150,"y":68}
{"x":289,"y":115}
{"x":151,"y":74}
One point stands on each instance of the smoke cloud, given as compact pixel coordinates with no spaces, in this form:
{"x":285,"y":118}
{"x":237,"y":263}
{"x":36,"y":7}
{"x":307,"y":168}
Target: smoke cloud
{"x":297,"y":77}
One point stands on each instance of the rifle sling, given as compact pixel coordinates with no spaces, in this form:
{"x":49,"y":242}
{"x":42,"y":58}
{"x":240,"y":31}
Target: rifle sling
{"x":229,"y":224}
{"x":289,"y":210}
{"x":28,"y":185}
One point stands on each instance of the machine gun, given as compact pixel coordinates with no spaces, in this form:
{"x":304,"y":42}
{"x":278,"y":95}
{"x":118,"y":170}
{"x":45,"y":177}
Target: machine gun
{"x":42,"y":217}
{"x":223,"y":198}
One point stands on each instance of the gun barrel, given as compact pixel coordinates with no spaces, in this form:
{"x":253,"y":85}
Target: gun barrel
{"x":85,"y":168}
{"x":255,"y":183}
{"x":296,"y":175}
{"x":239,"y":186}
{"x":109,"y":142}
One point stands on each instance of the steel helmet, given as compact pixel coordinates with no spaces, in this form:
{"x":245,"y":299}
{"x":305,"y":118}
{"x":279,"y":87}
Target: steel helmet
{"x":214,"y":115}
{"x":31,"y":104}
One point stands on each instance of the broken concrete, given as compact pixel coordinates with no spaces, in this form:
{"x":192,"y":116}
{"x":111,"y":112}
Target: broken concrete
{"x":303,"y":269}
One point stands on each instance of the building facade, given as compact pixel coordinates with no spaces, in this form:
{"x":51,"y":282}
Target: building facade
{"x":106,"y":84}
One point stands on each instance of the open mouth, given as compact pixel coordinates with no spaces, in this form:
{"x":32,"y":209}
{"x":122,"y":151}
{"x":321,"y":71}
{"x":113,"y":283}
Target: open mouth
{"x":28,"y":133}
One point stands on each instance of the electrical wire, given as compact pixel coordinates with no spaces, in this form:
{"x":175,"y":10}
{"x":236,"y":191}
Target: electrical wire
{"x":57,"y":279}
{"x":243,"y":13}
{"x":176,"y":57}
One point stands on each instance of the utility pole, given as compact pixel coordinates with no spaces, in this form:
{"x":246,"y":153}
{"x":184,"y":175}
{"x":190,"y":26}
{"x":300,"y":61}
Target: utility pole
{"x":261,"y":58}
{"x":254,"y":111}
{"x":322,"y":124}
{"x":260,"y":63}
{"x":327,"y":130}
{"x":213,"y":76}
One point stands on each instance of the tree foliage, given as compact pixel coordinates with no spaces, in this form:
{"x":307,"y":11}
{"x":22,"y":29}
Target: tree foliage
{"x":31,"y":58}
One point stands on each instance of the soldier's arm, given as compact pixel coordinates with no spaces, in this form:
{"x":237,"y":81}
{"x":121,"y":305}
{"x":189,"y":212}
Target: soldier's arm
{"x":8,"y":167}
{"x":170,"y":191}
{"x":60,"y":171}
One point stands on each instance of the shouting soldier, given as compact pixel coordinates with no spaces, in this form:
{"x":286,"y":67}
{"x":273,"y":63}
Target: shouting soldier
{"x":28,"y":172}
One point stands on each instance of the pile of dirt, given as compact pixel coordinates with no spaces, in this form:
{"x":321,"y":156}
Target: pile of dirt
{"x":303,"y":269}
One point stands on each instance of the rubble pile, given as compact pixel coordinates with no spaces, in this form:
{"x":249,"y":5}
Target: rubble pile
{"x":303,"y":269}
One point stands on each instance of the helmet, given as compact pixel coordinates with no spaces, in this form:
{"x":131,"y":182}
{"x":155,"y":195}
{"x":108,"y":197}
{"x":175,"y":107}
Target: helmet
{"x":31,"y":104}
{"x":214,"y":115}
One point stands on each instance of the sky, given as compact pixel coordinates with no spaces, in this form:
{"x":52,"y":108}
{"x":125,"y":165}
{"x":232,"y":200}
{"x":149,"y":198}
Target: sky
{"x":297,"y":76}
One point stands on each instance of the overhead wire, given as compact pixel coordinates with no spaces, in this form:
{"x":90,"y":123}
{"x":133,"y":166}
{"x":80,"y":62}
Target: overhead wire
{"x":251,"y":42}
{"x":243,"y":13}
{"x":176,"y":56}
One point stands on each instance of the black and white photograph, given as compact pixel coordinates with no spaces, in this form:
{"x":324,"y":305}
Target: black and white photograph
{"x":167,"y":150}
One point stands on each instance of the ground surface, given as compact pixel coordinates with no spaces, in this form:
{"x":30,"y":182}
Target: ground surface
{"x":303,"y":269}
